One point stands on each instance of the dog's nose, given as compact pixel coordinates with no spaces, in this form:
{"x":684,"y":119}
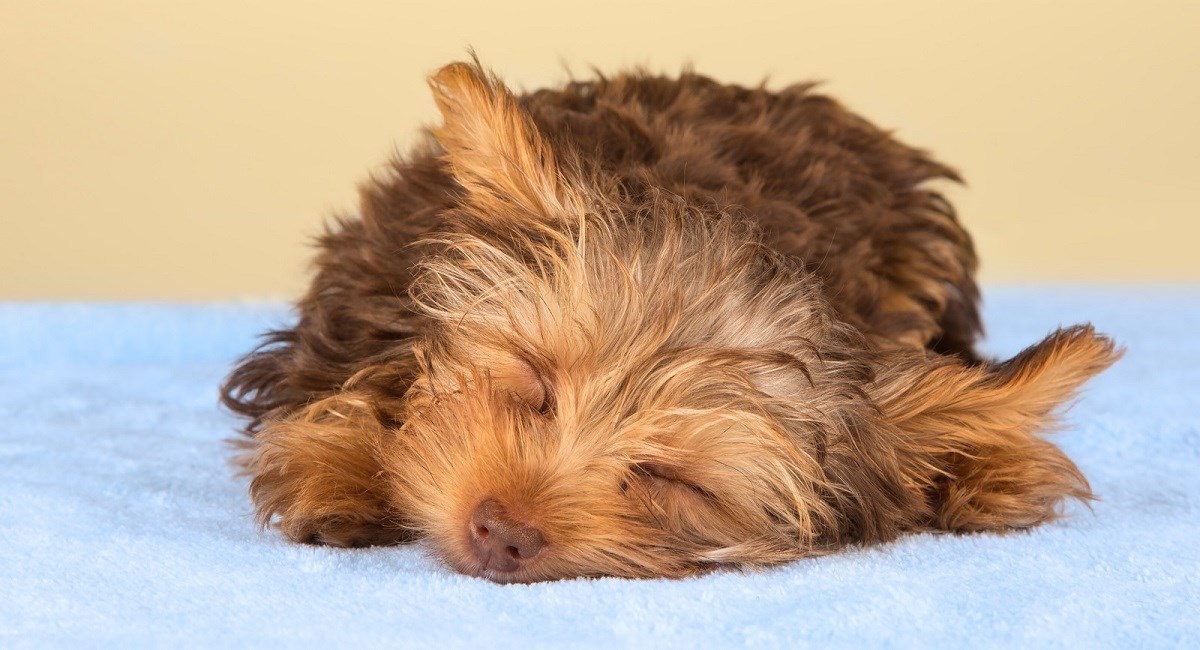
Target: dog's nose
{"x":500,"y":542}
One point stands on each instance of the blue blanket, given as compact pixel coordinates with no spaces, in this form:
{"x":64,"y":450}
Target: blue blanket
{"x":120,"y":524}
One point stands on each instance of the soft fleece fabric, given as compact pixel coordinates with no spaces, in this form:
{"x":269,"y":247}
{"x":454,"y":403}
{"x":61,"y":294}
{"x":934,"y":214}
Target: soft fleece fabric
{"x":120,"y":523}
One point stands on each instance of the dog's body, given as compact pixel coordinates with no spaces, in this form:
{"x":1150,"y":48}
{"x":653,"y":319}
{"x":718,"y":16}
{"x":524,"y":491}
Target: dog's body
{"x":652,"y":326}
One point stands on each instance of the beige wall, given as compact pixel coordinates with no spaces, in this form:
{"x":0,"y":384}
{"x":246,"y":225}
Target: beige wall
{"x":173,"y":149}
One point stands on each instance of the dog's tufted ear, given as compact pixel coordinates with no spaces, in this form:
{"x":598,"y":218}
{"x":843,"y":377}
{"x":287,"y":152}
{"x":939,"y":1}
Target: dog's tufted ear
{"x":494,"y":148}
{"x":967,"y":436}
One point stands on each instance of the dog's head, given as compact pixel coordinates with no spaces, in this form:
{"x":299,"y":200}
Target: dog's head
{"x":612,"y":385}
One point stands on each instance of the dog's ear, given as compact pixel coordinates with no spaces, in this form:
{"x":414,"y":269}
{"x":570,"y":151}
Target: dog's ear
{"x":494,"y":149}
{"x":968,"y":436}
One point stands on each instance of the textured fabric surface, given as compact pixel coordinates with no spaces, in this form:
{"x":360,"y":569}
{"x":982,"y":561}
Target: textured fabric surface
{"x":120,"y":523}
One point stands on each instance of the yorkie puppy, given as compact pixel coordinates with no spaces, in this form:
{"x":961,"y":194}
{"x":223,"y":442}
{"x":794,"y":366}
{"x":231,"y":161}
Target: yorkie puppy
{"x":645,"y":326}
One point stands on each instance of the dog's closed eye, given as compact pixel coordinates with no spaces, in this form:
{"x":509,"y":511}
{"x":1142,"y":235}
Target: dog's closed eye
{"x":539,"y":393}
{"x":664,"y":476}
{"x":548,"y":402}
{"x":526,"y":383}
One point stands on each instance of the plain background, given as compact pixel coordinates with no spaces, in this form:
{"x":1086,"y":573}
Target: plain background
{"x":190,"y":150}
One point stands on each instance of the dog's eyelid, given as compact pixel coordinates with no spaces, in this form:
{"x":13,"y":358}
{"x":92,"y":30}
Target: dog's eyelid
{"x":549,"y":400}
{"x":671,"y":475}
{"x":546,"y":401}
{"x":659,"y":471}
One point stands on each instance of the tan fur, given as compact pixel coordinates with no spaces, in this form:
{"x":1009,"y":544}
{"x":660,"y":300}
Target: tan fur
{"x":493,"y":147}
{"x":651,"y":374}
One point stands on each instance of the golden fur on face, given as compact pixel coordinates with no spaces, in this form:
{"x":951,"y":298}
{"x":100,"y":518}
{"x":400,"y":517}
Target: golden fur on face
{"x":646,"y":327}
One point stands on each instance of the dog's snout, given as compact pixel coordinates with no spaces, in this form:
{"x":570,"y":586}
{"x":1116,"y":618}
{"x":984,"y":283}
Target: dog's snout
{"x":502,"y":543}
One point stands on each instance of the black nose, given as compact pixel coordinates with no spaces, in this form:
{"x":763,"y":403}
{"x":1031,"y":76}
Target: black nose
{"x":501,"y":543}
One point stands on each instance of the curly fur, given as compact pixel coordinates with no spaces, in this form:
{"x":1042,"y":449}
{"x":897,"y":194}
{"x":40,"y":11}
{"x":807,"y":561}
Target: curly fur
{"x":668,"y":324}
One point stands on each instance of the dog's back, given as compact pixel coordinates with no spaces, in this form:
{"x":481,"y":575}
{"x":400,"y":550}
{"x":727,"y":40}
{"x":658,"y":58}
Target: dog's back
{"x":827,"y":187}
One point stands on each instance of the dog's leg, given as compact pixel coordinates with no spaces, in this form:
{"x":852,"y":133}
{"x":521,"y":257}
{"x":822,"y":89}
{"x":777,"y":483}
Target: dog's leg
{"x":967,"y":437}
{"x":317,"y":474}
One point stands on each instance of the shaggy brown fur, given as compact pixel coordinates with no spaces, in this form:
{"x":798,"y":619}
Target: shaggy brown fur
{"x":645,"y":326}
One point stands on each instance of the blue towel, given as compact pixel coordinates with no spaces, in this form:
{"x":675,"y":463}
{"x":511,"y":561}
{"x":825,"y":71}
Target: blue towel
{"x":120,"y":523}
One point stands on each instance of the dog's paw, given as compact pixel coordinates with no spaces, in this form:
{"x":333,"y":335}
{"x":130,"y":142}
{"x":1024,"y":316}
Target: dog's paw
{"x":345,"y":532}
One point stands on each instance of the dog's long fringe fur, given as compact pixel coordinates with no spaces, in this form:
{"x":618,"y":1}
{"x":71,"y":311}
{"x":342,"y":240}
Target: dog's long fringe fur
{"x":670,"y":324}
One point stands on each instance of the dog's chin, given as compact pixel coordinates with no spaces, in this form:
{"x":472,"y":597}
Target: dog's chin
{"x":538,"y":569}
{"x":509,"y":578}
